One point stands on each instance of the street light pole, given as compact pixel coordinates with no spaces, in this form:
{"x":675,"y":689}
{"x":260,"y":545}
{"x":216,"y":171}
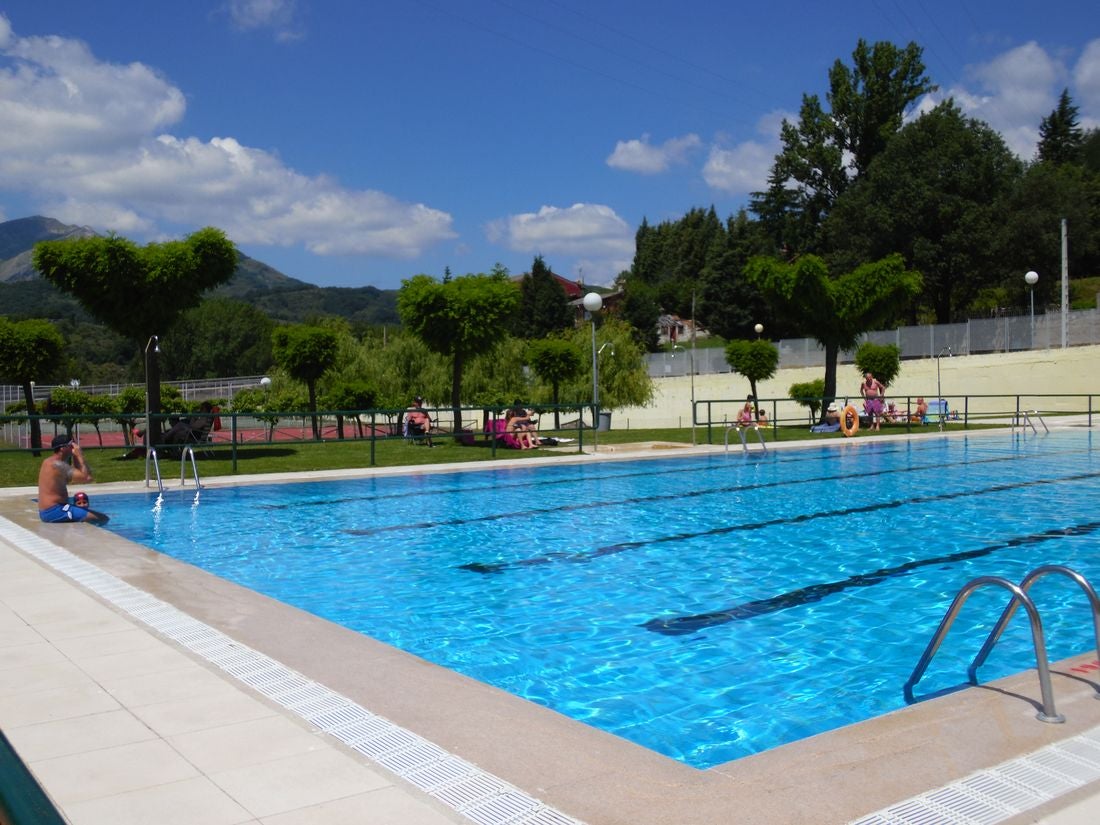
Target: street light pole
{"x":593,"y":303}
{"x":1031,"y":278}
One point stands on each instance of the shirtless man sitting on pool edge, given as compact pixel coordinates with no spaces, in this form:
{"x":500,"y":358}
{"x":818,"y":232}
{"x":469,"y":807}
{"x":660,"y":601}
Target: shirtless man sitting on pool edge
{"x":53,"y":480}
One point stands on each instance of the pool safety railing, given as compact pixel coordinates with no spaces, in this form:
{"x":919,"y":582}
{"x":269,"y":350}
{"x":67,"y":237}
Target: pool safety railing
{"x":188,"y":453}
{"x":1010,"y":609}
{"x":1048,"y":712}
{"x":744,"y":440}
{"x":1022,"y":419}
{"x":1019,"y":596}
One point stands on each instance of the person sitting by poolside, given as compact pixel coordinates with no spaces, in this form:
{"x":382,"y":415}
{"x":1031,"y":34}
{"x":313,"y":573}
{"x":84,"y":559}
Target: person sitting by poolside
{"x":891,"y":415}
{"x":190,"y":429}
{"x":418,"y":424}
{"x":53,"y":479}
{"x":80,"y":499}
{"x":921,"y":410}
{"x":522,"y":421}
{"x":832,"y":414}
{"x":762,"y":417}
{"x":516,"y":425}
{"x":747,"y":414}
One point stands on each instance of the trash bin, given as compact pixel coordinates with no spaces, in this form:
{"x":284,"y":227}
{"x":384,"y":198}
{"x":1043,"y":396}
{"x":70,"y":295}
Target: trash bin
{"x":605,"y":422}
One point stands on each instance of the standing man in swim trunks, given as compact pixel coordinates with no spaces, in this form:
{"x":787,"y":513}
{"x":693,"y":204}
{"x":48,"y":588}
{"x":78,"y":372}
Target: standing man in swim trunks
{"x":53,"y":484}
{"x":872,"y":390}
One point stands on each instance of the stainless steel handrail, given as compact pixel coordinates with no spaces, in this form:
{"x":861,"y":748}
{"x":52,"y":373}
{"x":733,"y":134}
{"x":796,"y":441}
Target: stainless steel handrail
{"x":741,"y":433}
{"x":1048,"y":713}
{"x":1010,"y":609}
{"x":151,"y":455}
{"x":188,"y":451}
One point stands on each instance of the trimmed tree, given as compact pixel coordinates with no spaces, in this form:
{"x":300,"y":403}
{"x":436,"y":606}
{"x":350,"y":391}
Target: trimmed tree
{"x":138,"y":291}
{"x":881,"y":360}
{"x":458,"y":318}
{"x":306,"y":353}
{"x":756,"y":360}
{"x":29,"y":351}
{"x":835,"y":311}
{"x":555,"y":361}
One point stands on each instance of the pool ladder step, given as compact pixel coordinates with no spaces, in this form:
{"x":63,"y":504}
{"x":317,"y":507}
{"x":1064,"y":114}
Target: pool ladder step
{"x":188,"y":452}
{"x":1023,"y":420}
{"x":744,"y":440}
{"x":1019,"y":597}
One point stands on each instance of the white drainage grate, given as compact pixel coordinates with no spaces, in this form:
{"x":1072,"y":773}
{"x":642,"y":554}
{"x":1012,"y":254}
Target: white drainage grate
{"x":1003,"y":791}
{"x":477,"y":795}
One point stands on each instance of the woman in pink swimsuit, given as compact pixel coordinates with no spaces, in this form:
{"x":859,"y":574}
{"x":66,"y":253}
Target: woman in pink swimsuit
{"x":872,"y":389}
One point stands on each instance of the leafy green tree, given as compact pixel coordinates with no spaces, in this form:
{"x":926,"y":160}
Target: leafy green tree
{"x":756,"y":360}
{"x":809,"y":394}
{"x":881,"y":360}
{"x":932,"y":196}
{"x":459,"y":318}
{"x":350,"y":396}
{"x":1029,"y":232}
{"x":624,"y":376}
{"x":219,"y":337}
{"x":639,"y":309}
{"x":728,"y":304}
{"x":1060,"y":137}
{"x":29,"y":352}
{"x":835,"y":311}
{"x":828,"y":149}
{"x":496,"y":377}
{"x":555,"y":361}
{"x":306,"y":353}
{"x":543,"y":306}
{"x":138,"y":291}
{"x":129,"y":403}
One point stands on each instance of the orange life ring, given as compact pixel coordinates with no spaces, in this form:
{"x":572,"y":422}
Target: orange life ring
{"x":845,"y":427}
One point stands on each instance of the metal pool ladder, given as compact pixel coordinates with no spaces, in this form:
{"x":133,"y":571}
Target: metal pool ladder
{"x":1023,"y":420}
{"x":744,"y":441}
{"x":1019,"y":596}
{"x":188,"y":452}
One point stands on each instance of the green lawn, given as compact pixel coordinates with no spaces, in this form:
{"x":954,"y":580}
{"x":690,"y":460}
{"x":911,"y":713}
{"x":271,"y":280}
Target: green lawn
{"x":20,"y":467}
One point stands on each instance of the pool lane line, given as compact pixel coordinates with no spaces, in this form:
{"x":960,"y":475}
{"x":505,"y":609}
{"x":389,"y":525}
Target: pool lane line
{"x":612,"y":549}
{"x":710,"y":463}
{"x":679,"y":494}
{"x":684,"y":625}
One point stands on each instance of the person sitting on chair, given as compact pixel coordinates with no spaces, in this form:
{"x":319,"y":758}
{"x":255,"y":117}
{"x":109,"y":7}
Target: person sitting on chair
{"x":192,"y":429}
{"x":746,"y":415}
{"x":521,"y":422}
{"x":418,"y":424}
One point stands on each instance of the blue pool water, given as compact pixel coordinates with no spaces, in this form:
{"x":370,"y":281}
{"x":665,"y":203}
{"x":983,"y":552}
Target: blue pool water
{"x":704,"y":607}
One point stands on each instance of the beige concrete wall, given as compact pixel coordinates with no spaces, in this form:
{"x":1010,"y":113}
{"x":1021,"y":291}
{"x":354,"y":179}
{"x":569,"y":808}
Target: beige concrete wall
{"x":1040,"y":372}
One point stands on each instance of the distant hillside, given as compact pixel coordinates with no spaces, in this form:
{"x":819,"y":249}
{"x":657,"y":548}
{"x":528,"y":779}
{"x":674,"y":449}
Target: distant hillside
{"x":23,"y":294}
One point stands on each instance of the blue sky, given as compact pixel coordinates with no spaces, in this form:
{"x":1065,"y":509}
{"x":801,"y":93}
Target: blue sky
{"x":353,"y":142}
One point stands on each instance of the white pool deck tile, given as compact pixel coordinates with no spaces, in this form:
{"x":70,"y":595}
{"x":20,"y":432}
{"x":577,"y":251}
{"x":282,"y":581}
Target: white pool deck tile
{"x":121,"y":726}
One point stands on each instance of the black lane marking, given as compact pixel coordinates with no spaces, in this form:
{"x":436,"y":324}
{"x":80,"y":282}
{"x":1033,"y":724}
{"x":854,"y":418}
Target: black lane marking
{"x":612,"y":549}
{"x":819,"y":454}
{"x":680,"y":494}
{"x":684,"y":625}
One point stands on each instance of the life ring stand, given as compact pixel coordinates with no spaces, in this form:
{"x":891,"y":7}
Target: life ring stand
{"x":846,"y":428}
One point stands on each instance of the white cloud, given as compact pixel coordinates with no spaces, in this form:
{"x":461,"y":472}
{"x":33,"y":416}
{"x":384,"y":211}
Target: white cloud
{"x":83,"y":139}
{"x":643,"y":157}
{"x":592,"y":233}
{"x":1086,"y":79}
{"x":278,"y":15}
{"x":744,"y":167}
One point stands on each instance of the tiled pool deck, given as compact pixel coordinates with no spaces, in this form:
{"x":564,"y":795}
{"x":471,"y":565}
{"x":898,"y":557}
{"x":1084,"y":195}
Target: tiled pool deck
{"x":122,"y":723}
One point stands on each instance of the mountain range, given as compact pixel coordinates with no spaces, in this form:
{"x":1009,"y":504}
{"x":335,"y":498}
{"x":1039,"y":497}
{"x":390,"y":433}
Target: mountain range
{"x":23,"y":294}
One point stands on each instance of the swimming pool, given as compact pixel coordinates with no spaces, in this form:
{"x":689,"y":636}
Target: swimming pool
{"x":706,"y":607}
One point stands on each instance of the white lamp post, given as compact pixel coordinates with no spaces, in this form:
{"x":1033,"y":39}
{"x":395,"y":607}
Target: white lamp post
{"x":265,"y":382}
{"x":593,"y":303}
{"x":759,"y":329}
{"x":1032,"y":278}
